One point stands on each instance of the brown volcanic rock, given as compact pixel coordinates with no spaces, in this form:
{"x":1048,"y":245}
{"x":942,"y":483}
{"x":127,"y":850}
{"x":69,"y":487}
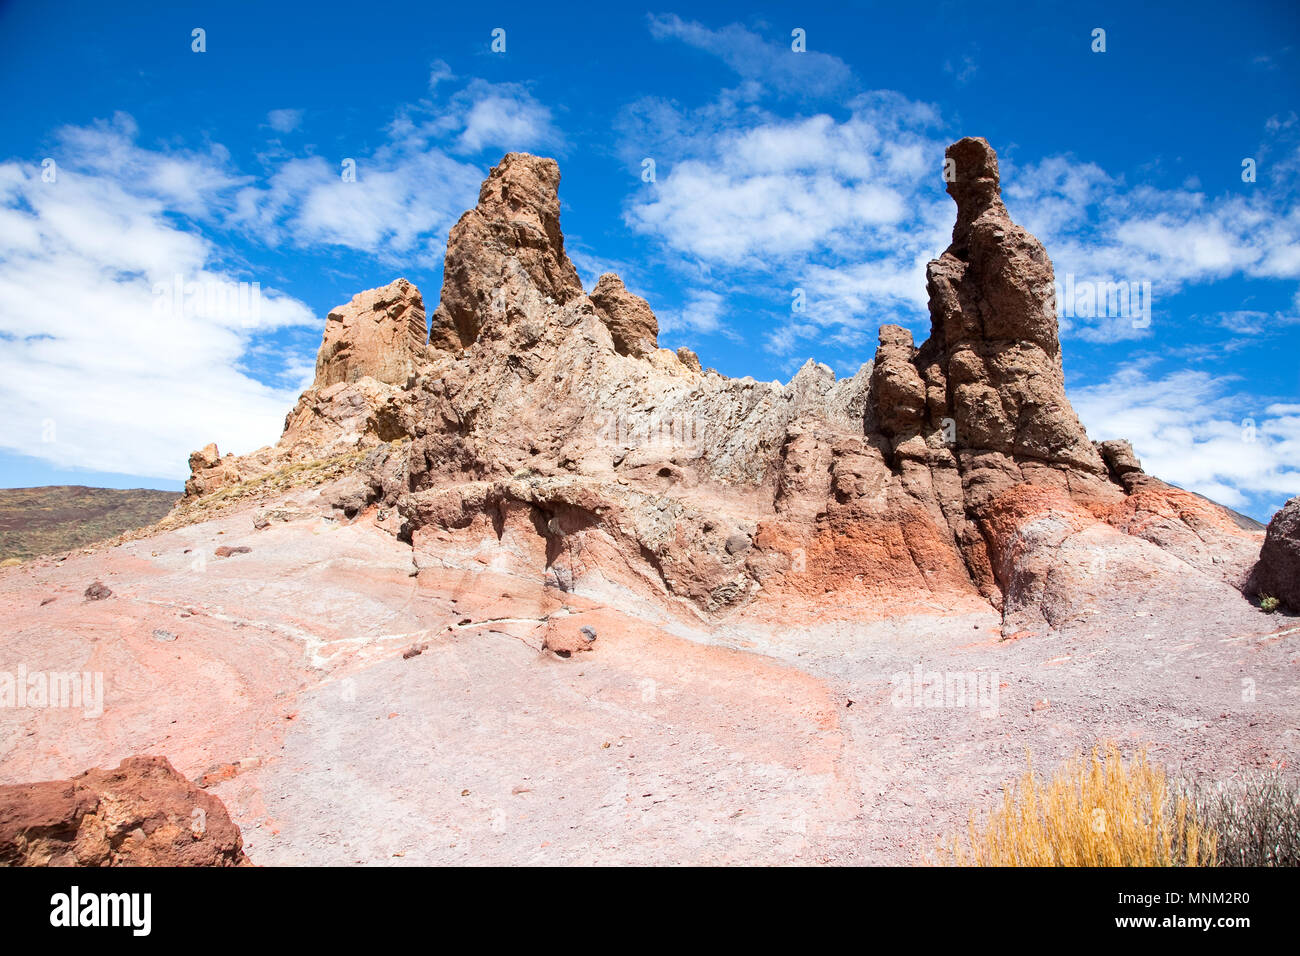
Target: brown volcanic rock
{"x":1119,"y":458}
{"x":143,"y":813}
{"x":372,"y":347}
{"x":1277,"y":574}
{"x":630,"y":321}
{"x":994,"y":331}
{"x":210,"y":472}
{"x":380,"y":334}
{"x":897,"y":387}
{"x":510,"y":244}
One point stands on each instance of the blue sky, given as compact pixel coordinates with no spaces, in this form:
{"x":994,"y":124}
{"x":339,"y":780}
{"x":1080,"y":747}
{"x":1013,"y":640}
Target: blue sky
{"x":129,"y":159}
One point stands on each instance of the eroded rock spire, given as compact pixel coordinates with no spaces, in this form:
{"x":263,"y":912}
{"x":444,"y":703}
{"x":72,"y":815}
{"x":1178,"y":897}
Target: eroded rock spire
{"x":505,"y":252}
{"x":380,"y":334}
{"x":994,"y":336}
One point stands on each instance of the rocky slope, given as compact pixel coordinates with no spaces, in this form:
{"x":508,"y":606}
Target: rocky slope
{"x":1277,"y":575}
{"x":60,"y":517}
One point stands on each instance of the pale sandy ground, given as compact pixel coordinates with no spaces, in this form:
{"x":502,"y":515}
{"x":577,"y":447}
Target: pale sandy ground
{"x":672,"y":741}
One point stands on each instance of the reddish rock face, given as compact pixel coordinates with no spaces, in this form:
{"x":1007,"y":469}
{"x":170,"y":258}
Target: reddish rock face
{"x":142,"y":814}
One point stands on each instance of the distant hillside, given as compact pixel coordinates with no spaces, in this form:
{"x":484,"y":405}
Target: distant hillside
{"x":61,"y":517}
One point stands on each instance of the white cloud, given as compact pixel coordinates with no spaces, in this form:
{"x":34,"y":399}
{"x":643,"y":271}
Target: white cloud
{"x":769,"y":62}
{"x":963,"y":71}
{"x":193,"y":183}
{"x":1187,"y":427}
{"x":846,"y":210}
{"x":439,"y":72}
{"x":786,"y":188}
{"x":400,"y":199}
{"x":284,"y":121}
{"x":1256,"y":323}
{"x":481,"y":116}
{"x":1099,"y":229}
{"x":99,"y":368}
{"x":701,"y":314}
{"x":389,"y":210}
{"x":505,"y":117}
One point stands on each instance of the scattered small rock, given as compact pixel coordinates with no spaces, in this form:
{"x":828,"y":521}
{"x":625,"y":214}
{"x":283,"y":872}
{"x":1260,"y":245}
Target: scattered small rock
{"x":588,"y":632}
{"x":218,"y":773}
{"x":226,"y":550}
{"x":98,"y":591}
{"x":415,"y":650}
{"x":738,"y":543}
{"x":48,"y":600}
{"x":165,"y":636}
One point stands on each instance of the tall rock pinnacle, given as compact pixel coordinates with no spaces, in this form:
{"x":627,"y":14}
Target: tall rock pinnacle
{"x":975,"y":184}
{"x":994,"y":336}
{"x":506,"y":250}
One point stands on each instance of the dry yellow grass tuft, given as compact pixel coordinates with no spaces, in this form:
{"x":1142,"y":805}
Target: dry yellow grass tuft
{"x":1097,"y":811}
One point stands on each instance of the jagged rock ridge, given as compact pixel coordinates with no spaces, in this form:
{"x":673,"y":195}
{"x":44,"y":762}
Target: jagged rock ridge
{"x":944,"y":474}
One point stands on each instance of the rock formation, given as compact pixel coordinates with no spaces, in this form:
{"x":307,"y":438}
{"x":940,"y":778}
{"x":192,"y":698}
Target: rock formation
{"x":380,"y":334}
{"x":1278,"y":572}
{"x":647,"y":613}
{"x":631,"y":323}
{"x":504,"y":253}
{"x":951,"y":472}
{"x":209,"y":471}
{"x":142,"y":814}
